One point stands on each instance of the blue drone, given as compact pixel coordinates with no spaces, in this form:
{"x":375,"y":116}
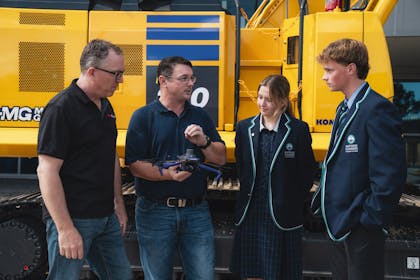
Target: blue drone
{"x":188,"y":162}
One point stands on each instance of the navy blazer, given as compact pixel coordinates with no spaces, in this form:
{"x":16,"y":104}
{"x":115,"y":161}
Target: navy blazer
{"x":365,"y":170}
{"x":291,"y":171}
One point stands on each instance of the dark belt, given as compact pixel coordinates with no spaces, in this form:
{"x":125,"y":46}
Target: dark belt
{"x":176,"y":202}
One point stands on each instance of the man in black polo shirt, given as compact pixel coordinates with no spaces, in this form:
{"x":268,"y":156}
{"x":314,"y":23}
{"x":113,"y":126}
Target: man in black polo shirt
{"x":171,"y":213}
{"x":79,"y":171}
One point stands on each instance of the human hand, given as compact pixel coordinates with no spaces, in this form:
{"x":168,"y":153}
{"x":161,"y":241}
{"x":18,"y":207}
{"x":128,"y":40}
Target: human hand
{"x":178,"y":175}
{"x":121,"y":214}
{"x":195,"y":134}
{"x":70,"y":243}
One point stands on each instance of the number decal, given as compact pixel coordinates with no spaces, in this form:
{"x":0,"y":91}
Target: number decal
{"x":200,"y":97}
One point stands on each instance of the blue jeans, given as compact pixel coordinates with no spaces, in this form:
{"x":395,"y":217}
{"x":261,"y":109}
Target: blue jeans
{"x":161,"y":230}
{"x":103,"y":250}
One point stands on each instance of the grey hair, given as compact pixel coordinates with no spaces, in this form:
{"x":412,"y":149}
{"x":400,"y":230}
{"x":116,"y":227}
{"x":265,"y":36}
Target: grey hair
{"x":95,"y":52}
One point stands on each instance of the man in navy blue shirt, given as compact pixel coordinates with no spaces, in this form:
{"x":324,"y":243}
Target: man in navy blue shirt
{"x":171,"y":213}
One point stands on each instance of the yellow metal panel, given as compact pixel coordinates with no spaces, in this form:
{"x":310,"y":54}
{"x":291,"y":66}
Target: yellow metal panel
{"x":18,"y":142}
{"x":250,"y":79}
{"x":228,"y":70}
{"x":261,"y":55}
{"x":290,"y":28}
{"x":227,"y":60}
{"x":128,"y":29}
{"x":122,"y":134}
{"x":252,"y":49}
{"x":320,"y":143}
{"x":380,"y":73}
{"x":229,"y":138}
{"x":39,"y":58}
{"x":319,"y":103}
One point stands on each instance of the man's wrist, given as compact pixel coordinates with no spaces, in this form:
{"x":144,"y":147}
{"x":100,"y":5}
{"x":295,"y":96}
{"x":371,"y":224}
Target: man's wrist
{"x":208,"y":142}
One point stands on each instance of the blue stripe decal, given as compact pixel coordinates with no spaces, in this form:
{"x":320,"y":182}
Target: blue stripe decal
{"x":191,"y":52}
{"x":183,"y":18}
{"x":182,"y":33}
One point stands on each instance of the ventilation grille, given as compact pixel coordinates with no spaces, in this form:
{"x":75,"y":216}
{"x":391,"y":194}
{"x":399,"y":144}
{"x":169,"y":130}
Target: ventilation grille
{"x":41,"y":67}
{"x":133,"y":57}
{"x":42,"y":18}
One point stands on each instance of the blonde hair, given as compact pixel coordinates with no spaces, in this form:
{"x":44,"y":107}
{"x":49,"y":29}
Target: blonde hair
{"x":279,"y":89}
{"x":346,"y":51}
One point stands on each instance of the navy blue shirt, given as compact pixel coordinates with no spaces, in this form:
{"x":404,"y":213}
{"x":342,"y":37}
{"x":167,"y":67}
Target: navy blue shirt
{"x":155,"y":133}
{"x":73,"y":129}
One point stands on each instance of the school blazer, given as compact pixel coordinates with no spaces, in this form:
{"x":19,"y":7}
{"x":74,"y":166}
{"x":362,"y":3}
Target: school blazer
{"x":291,"y":170}
{"x":364,"y":172}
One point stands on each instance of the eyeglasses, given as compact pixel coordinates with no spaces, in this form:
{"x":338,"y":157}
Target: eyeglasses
{"x":117,"y":74}
{"x":184,"y":79}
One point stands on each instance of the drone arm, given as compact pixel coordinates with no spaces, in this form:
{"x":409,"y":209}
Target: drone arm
{"x":166,"y":165}
{"x":211,"y":169}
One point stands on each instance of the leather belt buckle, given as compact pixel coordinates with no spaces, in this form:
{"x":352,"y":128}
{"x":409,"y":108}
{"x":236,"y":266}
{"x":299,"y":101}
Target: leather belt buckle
{"x":176,"y":202}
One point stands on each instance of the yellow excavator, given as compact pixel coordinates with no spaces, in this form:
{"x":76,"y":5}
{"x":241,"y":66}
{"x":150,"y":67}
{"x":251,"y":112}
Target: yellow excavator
{"x":40,"y":47}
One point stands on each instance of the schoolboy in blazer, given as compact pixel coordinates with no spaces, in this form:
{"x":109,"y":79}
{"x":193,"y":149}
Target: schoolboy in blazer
{"x":364,"y":169}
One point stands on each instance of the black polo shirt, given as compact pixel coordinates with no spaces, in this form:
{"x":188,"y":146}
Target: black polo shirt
{"x":73,"y":129}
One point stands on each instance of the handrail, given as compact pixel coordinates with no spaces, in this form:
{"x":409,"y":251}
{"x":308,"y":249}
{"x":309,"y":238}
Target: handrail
{"x":253,"y":21}
{"x":263,"y":13}
{"x":238,"y":62}
{"x":301,"y":27}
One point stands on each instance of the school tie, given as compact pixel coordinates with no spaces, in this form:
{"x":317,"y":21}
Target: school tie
{"x":342,"y":116}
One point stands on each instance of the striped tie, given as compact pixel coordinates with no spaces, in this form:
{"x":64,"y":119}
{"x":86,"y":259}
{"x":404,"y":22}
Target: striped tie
{"x":341,"y":119}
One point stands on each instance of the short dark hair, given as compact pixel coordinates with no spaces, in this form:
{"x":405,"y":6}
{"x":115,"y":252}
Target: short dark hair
{"x":346,"y":51}
{"x":96,"y":51}
{"x":167,"y":65}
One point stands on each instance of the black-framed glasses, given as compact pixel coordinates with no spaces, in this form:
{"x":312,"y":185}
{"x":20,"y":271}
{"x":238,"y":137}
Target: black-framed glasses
{"x":117,"y":74}
{"x":184,"y":79}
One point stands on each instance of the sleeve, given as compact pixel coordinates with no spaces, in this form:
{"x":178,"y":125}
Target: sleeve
{"x":387,"y":165}
{"x":136,"y":144}
{"x":306,"y":160}
{"x":54,"y":134}
{"x":238,"y":150}
{"x":210,"y":129}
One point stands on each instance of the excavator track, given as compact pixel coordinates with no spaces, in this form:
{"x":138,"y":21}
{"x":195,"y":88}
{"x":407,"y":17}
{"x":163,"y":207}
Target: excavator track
{"x":23,"y":249}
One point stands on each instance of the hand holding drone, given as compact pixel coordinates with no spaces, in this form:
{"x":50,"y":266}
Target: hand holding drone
{"x":188,"y":162}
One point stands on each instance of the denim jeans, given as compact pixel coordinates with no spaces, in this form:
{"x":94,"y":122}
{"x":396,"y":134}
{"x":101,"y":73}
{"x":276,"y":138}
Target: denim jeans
{"x":103,"y":250}
{"x":161,"y":230}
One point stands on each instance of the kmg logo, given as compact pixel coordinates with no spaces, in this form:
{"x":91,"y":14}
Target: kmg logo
{"x":20,"y":113}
